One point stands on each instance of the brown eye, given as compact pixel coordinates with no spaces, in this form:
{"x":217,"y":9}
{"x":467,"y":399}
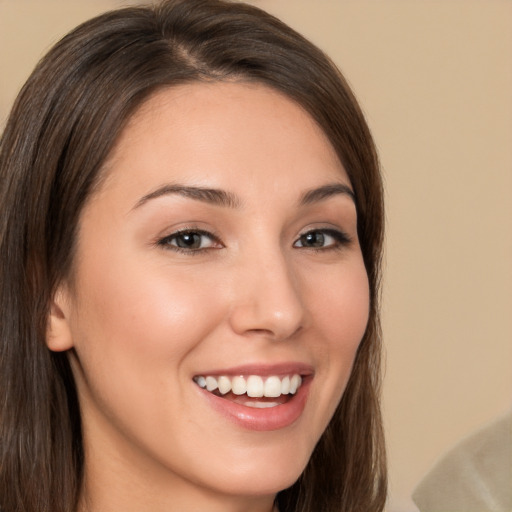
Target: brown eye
{"x":190,"y":240}
{"x":322,"y":239}
{"x":312,"y":239}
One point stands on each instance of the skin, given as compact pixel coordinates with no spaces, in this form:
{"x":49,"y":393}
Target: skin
{"x":144,"y":318}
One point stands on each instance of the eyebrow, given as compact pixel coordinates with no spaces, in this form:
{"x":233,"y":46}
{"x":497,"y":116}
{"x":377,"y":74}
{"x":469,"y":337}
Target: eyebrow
{"x":325,"y":192}
{"x":206,"y":195}
{"x":227,"y":199}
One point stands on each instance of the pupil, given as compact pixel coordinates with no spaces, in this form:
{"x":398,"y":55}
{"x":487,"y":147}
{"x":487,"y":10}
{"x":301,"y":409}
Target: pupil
{"x":189,"y":241}
{"x":313,"y":239}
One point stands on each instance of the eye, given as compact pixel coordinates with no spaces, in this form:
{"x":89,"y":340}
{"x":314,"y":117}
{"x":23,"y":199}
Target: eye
{"x":190,"y":240}
{"x":322,"y":239}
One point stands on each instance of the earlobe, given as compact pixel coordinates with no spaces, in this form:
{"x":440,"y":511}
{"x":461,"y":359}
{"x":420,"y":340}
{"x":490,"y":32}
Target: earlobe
{"x":58,"y":330}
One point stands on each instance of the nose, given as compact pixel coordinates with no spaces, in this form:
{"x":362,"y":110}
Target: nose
{"x":267,"y":300}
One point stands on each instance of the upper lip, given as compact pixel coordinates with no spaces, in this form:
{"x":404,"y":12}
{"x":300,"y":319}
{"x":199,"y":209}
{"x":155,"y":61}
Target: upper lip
{"x":264,"y":370}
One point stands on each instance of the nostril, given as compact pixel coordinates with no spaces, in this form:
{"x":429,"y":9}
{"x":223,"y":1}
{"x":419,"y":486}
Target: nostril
{"x":277,"y":333}
{"x":265,"y":332}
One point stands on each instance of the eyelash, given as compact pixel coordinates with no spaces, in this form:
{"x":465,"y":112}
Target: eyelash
{"x":165,"y":242}
{"x":340,"y":238}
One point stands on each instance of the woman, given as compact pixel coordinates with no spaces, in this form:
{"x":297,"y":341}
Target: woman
{"x":190,"y":246}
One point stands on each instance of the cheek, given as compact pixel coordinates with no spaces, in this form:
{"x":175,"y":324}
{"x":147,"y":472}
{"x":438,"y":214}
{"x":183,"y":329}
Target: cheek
{"x":135,"y":329}
{"x":342,"y":309}
{"x":138,"y":304}
{"x":135,"y":326}
{"x":130,"y":299}
{"x":341,"y":315}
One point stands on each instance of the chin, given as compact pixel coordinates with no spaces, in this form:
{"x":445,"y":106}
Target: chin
{"x":262,"y":475}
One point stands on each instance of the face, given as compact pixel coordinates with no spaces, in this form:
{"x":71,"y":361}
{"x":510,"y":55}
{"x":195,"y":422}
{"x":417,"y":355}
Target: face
{"x":218,"y":262}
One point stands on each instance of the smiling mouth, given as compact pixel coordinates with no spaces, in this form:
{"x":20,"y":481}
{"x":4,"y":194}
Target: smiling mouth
{"x":252,"y":390}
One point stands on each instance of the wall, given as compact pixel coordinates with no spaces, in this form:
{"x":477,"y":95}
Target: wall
{"x":434,"y":78}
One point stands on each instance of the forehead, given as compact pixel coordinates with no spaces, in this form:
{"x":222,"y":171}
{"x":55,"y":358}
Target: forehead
{"x":234,"y":131}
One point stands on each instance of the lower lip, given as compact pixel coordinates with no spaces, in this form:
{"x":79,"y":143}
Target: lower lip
{"x":270,"y":418}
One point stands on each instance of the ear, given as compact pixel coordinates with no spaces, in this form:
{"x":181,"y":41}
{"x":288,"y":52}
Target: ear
{"x":58,"y":330}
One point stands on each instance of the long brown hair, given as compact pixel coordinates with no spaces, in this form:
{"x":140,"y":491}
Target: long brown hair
{"x":62,"y":127}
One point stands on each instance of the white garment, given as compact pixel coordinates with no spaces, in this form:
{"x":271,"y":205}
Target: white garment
{"x":475,"y":476}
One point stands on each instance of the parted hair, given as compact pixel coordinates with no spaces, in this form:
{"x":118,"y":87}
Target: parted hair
{"x":60,"y":132}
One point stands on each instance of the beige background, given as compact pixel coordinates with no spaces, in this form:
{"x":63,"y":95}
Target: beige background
{"x":435,"y":80}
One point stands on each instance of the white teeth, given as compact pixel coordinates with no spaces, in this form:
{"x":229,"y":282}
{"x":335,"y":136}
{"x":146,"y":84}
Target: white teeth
{"x":238,"y":386}
{"x":224,"y":385}
{"x":201,"y":382}
{"x":285,"y":385}
{"x":211,"y":383}
{"x":260,"y":405}
{"x":273,"y":387}
{"x":254,"y":386}
{"x":295,"y":382}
